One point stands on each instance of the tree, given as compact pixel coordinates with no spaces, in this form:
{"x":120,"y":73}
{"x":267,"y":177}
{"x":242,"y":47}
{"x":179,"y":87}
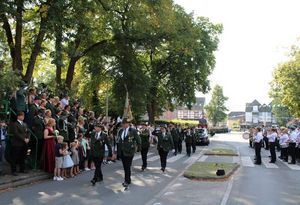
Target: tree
{"x":285,"y":86}
{"x":216,"y":108}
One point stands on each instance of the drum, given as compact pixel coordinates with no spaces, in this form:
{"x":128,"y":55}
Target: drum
{"x":246,"y":135}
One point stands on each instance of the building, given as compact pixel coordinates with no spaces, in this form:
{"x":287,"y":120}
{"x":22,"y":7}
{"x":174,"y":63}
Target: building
{"x":235,"y":119}
{"x":259,"y":114}
{"x":183,"y":113}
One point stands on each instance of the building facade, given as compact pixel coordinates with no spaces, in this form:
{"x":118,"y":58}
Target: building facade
{"x":259,"y":114}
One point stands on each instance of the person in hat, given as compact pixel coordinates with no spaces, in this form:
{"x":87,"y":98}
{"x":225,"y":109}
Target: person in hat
{"x":292,"y":143}
{"x":128,"y":142}
{"x":164,"y":145}
{"x":145,"y":144}
{"x":98,"y":141}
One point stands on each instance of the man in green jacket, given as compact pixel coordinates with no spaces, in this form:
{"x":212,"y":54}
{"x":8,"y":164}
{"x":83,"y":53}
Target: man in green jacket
{"x":128,"y":143}
{"x":164,"y":145}
{"x":98,"y":141}
{"x":145,"y":141}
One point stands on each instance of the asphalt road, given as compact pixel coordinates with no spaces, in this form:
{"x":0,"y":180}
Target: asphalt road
{"x":266,"y":184}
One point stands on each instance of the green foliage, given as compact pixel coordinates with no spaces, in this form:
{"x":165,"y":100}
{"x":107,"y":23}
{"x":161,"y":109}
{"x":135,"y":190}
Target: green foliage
{"x":9,"y":81}
{"x":216,"y":108}
{"x":285,"y":86}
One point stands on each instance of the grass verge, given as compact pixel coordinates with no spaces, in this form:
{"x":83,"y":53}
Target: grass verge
{"x":221,"y":152}
{"x":207,"y":170}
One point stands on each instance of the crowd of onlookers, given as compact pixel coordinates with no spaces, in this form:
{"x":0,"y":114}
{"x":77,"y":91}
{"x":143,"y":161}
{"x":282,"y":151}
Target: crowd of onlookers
{"x":44,"y":119}
{"x":284,"y":139}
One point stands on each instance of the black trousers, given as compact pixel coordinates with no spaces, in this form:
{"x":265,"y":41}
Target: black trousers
{"x":284,"y":153}
{"x":163,"y":157}
{"x":98,"y":176}
{"x":18,"y":155}
{"x":127,"y":161}
{"x":272,"y":151}
{"x":292,"y":151}
{"x":257,"y":152}
{"x":266,"y":140}
{"x":176,"y":147}
{"x":194,"y":146}
{"x":188,"y":148}
{"x":179,"y":146}
{"x":144,"y":153}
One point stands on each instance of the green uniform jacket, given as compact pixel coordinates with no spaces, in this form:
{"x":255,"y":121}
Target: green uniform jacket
{"x":145,"y":134}
{"x":165,"y":142}
{"x":188,"y":137}
{"x":98,"y":145}
{"x":130,"y":144}
{"x":175,"y":134}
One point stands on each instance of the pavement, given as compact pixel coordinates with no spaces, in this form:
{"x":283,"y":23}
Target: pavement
{"x":250,"y":185}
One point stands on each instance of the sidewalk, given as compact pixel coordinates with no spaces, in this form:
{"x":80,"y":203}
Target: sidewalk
{"x":9,"y":182}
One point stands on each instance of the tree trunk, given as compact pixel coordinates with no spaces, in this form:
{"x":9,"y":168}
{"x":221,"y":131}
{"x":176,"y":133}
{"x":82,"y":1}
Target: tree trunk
{"x":58,"y":55}
{"x":9,"y":36}
{"x":71,"y":71}
{"x":17,"y":61}
{"x":36,"y":49}
{"x":152,"y":105}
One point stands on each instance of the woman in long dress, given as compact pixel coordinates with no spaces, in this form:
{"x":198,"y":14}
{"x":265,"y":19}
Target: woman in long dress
{"x":49,"y":147}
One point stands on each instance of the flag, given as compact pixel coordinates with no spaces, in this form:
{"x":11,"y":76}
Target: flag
{"x":127,"y":109}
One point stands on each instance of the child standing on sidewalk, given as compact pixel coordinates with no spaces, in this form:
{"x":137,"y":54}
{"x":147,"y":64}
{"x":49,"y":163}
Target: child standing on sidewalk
{"x":58,"y":159}
{"x":67,"y":161}
{"x":75,"y":157}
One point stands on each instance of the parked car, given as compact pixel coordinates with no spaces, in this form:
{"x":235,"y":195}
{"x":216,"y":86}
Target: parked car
{"x":201,"y":136}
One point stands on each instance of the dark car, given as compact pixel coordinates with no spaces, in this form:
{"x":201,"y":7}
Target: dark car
{"x":201,"y":136}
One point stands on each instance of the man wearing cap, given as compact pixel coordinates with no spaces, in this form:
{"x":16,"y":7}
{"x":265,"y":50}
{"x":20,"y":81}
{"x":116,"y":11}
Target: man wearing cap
{"x":128,"y":141}
{"x":98,"y":141}
{"x":175,"y":138}
{"x":164,"y":145}
{"x":145,"y":144}
{"x":292,"y":143}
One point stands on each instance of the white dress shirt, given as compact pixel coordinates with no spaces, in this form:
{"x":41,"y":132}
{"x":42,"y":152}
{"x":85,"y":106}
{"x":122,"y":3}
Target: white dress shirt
{"x":258,"y":137}
{"x":293,"y":137}
{"x":272,"y":137}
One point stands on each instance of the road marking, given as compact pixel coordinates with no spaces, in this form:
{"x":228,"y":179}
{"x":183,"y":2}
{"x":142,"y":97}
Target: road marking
{"x":151,"y":159}
{"x":192,"y":159}
{"x":175,"y":158}
{"x":227,"y":193}
{"x":235,"y":159}
{"x":140,"y":156}
{"x":246,"y":161}
{"x":291,"y":166}
{"x":203,"y":158}
{"x":265,"y":161}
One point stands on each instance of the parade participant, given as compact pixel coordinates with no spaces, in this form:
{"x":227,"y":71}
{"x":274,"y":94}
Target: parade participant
{"x":258,"y":138}
{"x":19,"y":141}
{"x":188,"y":136}
{"x":128,"y":141}
{"x":272,"y":135}
{"x":193,"y":139}
{"x":292,"y":144}
{"x":284,"y":144}
{"x":145,"y":144}
{"x":164,"y":145}
{"x":98,"y":141}
{"x":175,"y":138}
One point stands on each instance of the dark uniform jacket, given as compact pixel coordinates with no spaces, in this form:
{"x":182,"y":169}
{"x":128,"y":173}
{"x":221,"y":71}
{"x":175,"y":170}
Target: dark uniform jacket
{"x":19,"y":133}
{"x":175,"y":134}
{"x":144,"y":135}
{"x":164,"y":142}
{"x":98,"y":145}
{"x":38,"y":127}
{"x":129,"y":144}
{"x":188,"y":137}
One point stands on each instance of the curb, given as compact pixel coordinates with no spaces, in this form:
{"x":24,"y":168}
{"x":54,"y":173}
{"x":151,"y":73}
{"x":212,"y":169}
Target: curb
{"x":23,"y":180}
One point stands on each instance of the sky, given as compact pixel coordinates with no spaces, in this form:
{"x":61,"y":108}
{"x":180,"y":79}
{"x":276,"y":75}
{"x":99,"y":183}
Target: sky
{"x":257,"y":36}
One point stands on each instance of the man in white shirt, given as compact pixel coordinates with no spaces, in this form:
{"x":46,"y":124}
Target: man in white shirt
{"x":272,"y":135}
{"x":292,"y":144}
{"x":258,"y":137}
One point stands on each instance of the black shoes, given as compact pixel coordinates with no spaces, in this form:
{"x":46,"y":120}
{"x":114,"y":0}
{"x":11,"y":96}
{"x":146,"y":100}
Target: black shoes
{"x":271,"y":161}
{"x":163,"y":169}
{"x":257,"y":163}
{"x":143,"y":169}
{"x":125,"y":184}
{"x":14,"y":174}
{"x":292,"y":162}
{"x":93,"y":181}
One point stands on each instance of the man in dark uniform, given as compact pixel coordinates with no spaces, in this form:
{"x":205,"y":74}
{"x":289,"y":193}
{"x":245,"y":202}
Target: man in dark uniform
{"x":145,"y":144}
{"x":50,"y":105}
{"x":193,"y":139}
{"x":164,"y":145}
{"x":188,"y":137}
{"x":180,"y":138}
{"x":38,"y":126}
{"x":128,"y":141}
{"x":33,"y":109}
{"x":19,"y":141}
{"x":98,"y":141}
{"x":175,"y":138}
